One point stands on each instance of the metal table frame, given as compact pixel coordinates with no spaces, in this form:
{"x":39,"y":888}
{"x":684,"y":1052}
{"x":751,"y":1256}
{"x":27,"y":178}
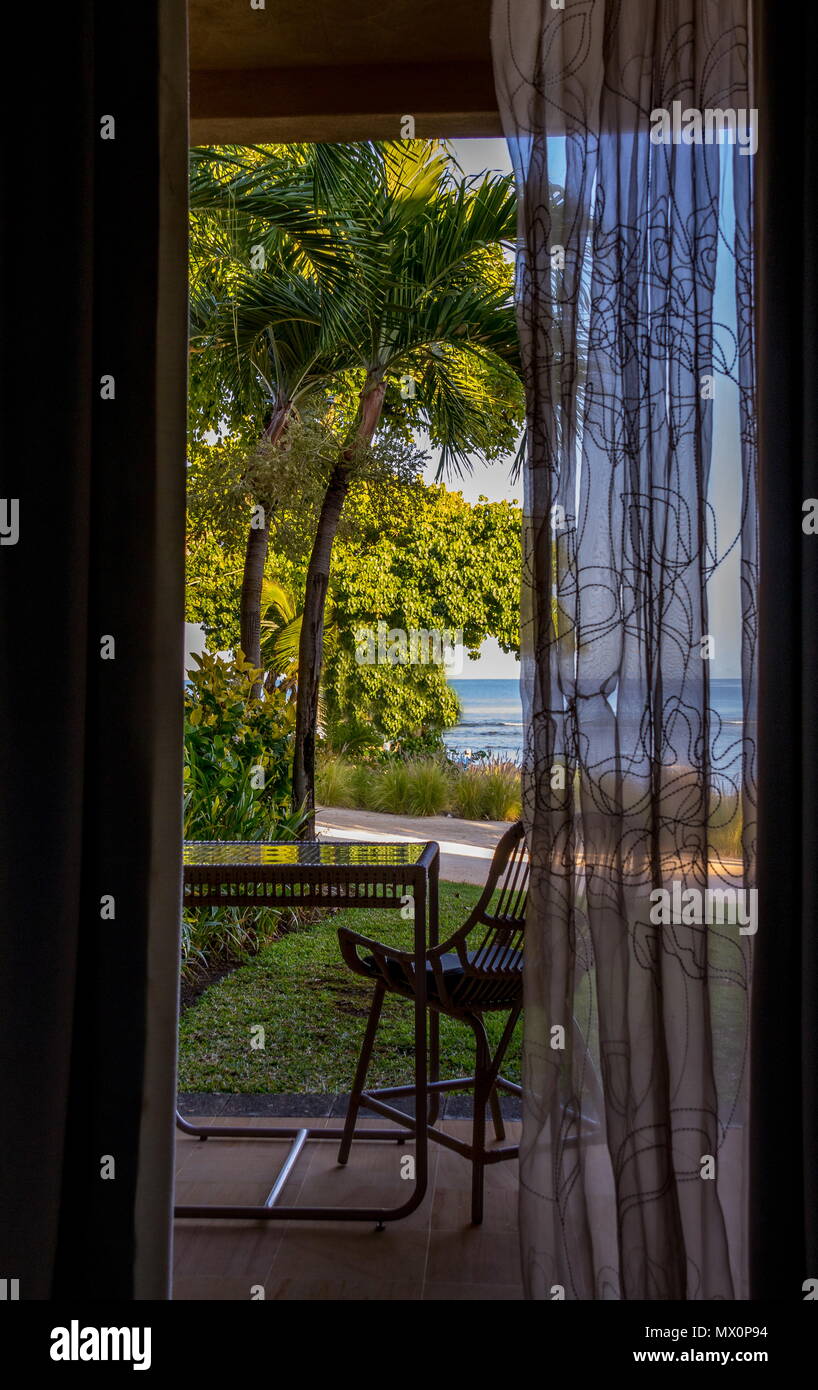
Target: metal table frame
{"x":306,"y":874}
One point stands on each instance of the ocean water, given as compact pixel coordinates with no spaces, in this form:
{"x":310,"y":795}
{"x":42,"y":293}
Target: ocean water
{"x":492,"y":718}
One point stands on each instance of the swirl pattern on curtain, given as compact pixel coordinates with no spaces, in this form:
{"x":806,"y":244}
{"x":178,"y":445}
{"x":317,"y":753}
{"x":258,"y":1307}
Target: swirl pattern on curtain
{"x":635,"y":290}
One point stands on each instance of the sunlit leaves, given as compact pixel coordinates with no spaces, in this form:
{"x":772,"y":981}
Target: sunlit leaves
{"x":378,"y":257}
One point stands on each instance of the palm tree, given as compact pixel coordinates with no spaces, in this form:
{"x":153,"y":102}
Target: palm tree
{"x":259,"y":344}
{"x":420,"y":308}
{"x":400,"y":286}
{"x":261,"y":331}
{"x":267,"y":346}
{"x":281,"y":635}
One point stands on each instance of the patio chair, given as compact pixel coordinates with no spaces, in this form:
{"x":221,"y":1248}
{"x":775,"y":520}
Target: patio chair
{"x":478,"y":970}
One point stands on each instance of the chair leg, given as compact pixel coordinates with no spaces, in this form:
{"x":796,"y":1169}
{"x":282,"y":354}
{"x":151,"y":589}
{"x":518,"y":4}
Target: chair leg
{"x":486,"y":1070}
{"x":496,"y":1063}
{"x":360,"y":1074}
{"x":482,"y":1087}
{"x":497,"y":1115}
{"x":434,"y":1065}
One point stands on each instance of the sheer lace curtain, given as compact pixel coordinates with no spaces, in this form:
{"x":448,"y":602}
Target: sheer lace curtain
{"x":640,"y":569}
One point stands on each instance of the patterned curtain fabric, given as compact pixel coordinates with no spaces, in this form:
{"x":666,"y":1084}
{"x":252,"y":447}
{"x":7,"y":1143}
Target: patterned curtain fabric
{"x":632,"y":134}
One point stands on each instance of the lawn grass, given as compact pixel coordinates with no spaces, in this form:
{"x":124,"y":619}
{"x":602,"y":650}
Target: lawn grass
{"x":313,"y":1011}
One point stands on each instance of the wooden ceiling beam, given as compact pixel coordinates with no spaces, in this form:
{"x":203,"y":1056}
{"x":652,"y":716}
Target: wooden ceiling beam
{"x":342,"y":102}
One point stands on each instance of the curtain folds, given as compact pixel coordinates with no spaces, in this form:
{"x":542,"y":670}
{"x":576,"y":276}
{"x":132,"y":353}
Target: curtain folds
{"x":635,"y":290}
{"x":93,"y":340}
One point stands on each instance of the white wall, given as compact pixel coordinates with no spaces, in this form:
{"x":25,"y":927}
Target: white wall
{"x":194,"y":642}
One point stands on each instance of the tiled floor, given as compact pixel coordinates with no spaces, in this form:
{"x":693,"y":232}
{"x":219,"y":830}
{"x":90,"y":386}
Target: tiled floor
{"x":433,"y":1254}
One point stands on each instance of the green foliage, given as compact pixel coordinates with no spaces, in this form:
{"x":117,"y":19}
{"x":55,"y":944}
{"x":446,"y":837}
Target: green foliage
{"x":335,"y":782}
{"x":281,"y":622}
{"x":410,"y":555}
{"x":389,"y":791}
{"x":429,"y":787}
{"x":213,"y":590}
{"x":429,"y":559}
{"x":380,"y":262}
{"x":424,"y":559}
{"x":237,"y":755}
{"x":227,"y":476}
{"x":364,"y":779}
{"x":216,"y":936}
{"x":488,"y":791}
{"x":377,"y":258}
{"x":230,"y":739}
{"x":218,"y":495}
{"x":422,"y":787}
{"x":407,"y":707}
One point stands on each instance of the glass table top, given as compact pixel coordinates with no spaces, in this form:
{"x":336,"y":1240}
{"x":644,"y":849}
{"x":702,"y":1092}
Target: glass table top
{"x":318,"y":853}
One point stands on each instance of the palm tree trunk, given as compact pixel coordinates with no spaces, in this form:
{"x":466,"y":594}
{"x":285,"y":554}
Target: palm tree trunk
{"x":311,"y":644}
{"x":255,"y":558}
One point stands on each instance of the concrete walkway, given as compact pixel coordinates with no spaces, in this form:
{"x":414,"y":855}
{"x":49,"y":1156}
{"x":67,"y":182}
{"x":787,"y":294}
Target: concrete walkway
{"x":466,"y":846}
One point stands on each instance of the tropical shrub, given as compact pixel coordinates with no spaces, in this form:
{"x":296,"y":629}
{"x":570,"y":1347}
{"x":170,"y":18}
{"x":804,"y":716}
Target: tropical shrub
{"x":488,"y":791}
{"x":390,"y":788}
{"x":238,"y":749}
{"x":364,"y":778}
{"x":429,"y":790}
{"x":430,"y":786}
{"x":236,"y":787}
{"x":334,"y":782}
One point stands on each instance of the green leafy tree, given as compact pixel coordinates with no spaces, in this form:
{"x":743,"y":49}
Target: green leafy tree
{"x":265,"y":265}
{"x":420,"y":305}
{"x":408,"y":555}
{"x":430,"y":562}
{"x":398,"y":278}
